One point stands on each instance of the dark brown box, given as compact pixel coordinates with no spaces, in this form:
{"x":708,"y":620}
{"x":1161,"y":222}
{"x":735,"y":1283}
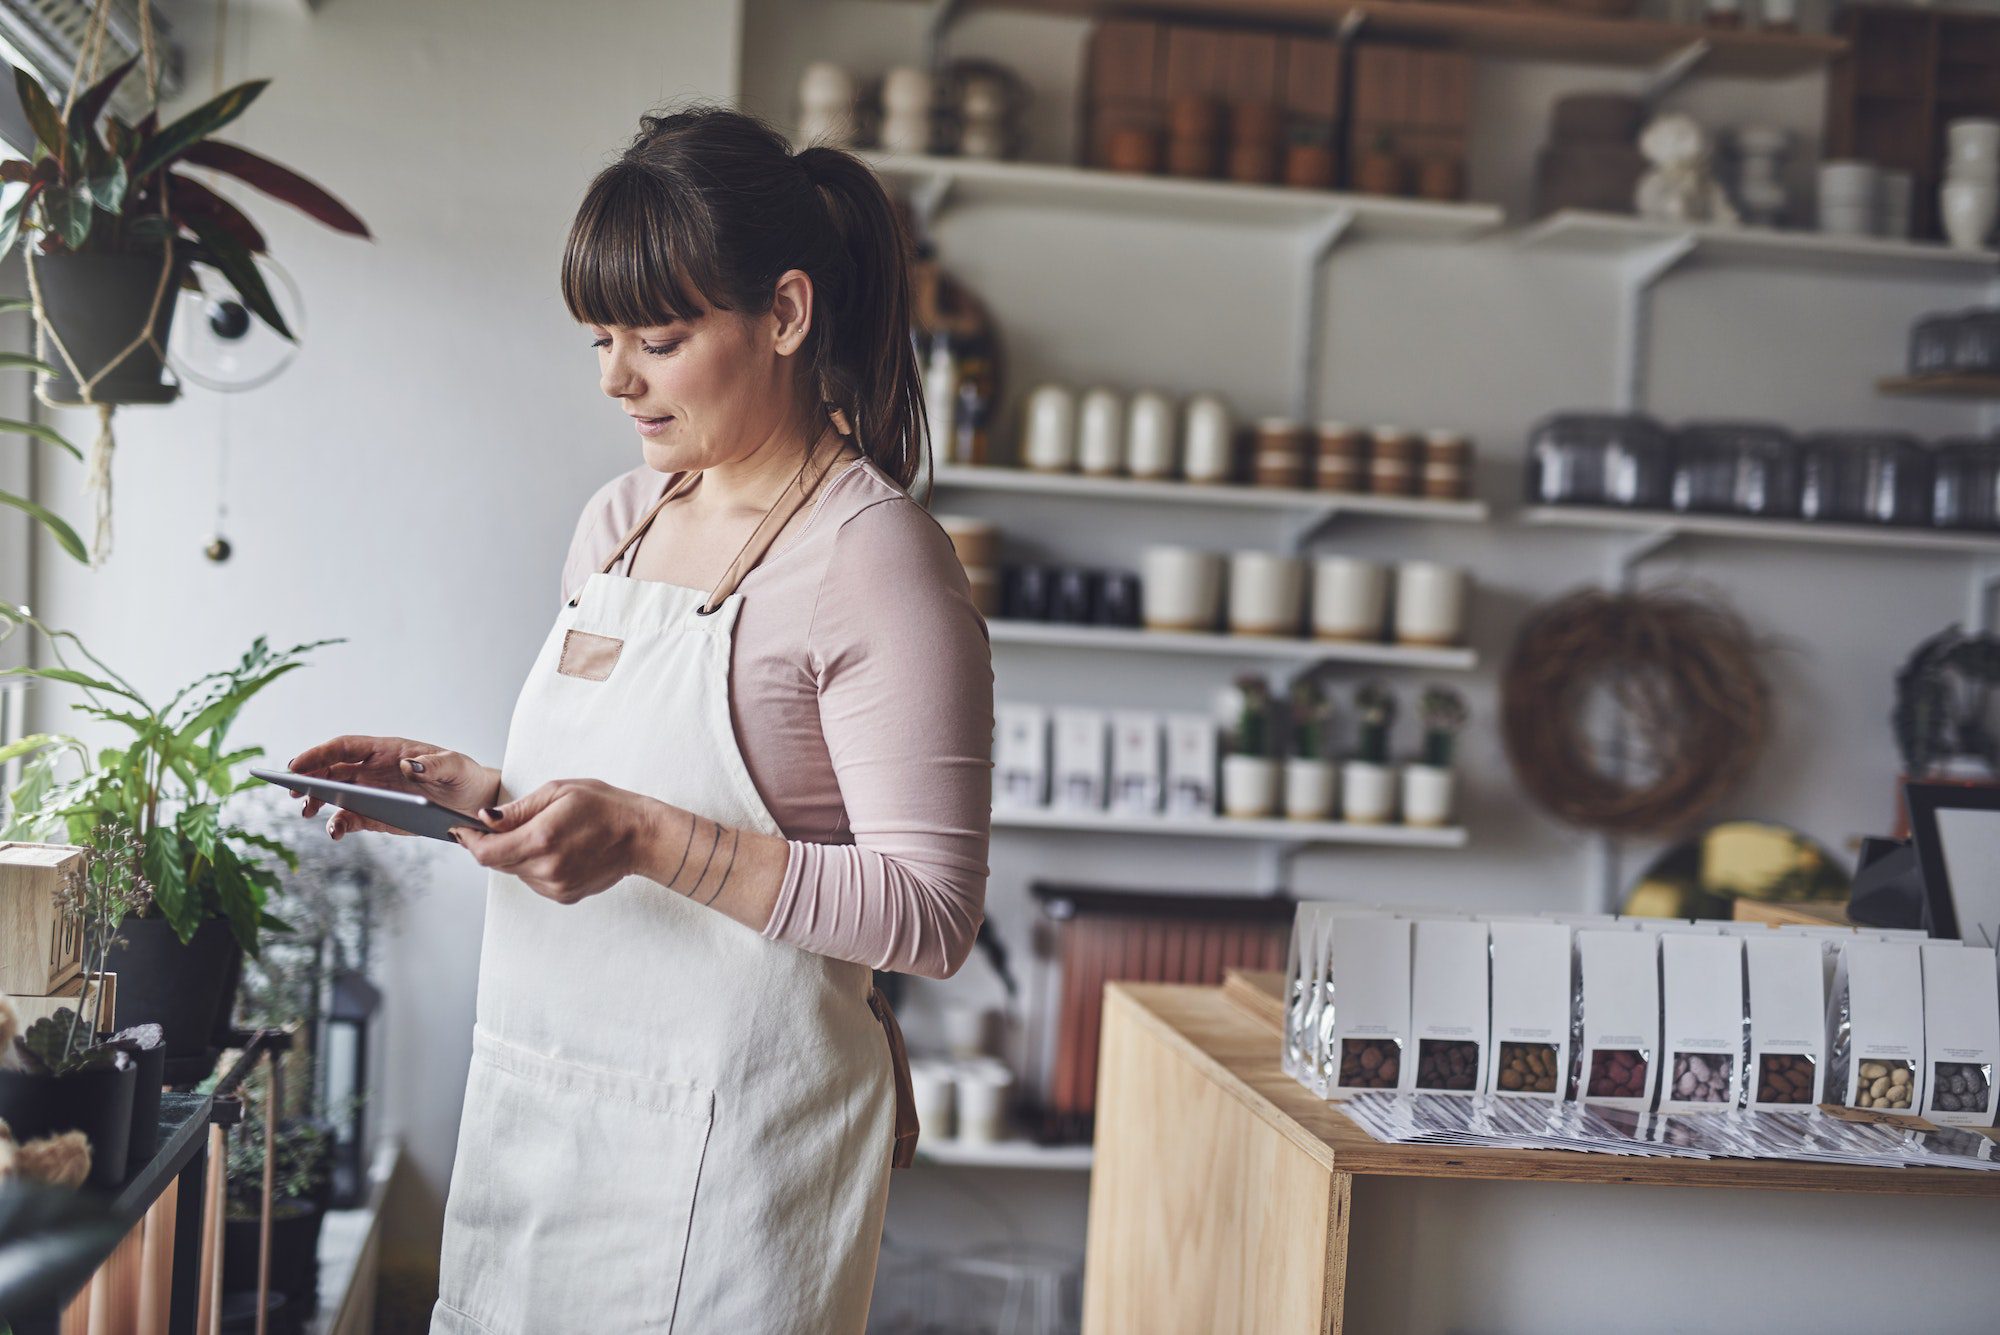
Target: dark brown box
{"x":1124,"y":60}
{"x":1193,"y":62}
{"x":1310,"y":86}
{"x":1107,"y":117}
{"x":1382,"y":85}
{"x":1442,"y":88}
{"x":1247,"y":67}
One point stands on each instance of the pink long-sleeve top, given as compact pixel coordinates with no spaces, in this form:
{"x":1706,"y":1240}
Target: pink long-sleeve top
{"x":861,"y":688}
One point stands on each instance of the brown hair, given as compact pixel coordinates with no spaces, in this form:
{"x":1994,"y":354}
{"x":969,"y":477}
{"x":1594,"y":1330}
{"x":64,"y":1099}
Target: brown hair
{"x":707,"y":207}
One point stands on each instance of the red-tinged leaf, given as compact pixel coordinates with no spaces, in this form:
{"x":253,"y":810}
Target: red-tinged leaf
{"x":43,"y":117}
{"x":236,"y":264}
{"x":281,"y":183}
{"x":197,"y":125}
{"x":47,"y":171}
{"x":16,"y":170}
{"x":91,"y":102}
{"x":188,"y":198}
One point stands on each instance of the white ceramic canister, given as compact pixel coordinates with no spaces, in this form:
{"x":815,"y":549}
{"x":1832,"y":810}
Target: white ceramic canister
{"x":1208,"y":445}
{"x":1350,"y":598}
{"x":1180,"y":588}
{"x":1250,"y":786}
{"x":1427,"y":795}
{"x":907,"y":97}
{"x":1430,"y":603}
{"x":1151,"y":447}
{"x":1048,"y":440}
{"x":984,"y":1089}
{"x":1312,"y":788}
{"x":1264,"y":593}
{"x":1973,"y":149}
{"x":965,"y":1030}
{"x":1100,"y":433}
{"x":933,"y":1085}
{"x":826,"y":105}
{"x":1969,"y":209}
{"x":1367,"y":793}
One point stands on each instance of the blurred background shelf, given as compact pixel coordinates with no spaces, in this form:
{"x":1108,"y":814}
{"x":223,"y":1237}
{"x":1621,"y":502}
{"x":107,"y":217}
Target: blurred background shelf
{"x":1272,"y":830}
{"x":1942,"y":386}
{"x":1118,"y":639}
{"x":1761,"y":530}
{"x":1611,"y":234}
{"x":1219,"y":495}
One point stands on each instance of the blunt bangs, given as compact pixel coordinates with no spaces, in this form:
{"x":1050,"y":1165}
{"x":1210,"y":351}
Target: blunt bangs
{"x":637,"y":256}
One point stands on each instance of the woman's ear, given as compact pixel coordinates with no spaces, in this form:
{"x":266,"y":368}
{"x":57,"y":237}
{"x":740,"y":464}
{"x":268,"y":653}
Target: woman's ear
{"x":791,"y":311}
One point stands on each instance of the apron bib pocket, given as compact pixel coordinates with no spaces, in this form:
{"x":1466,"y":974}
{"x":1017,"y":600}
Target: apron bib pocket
{"x":557,"y":1162}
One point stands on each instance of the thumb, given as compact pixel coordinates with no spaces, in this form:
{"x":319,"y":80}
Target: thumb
{"x":521,"y":810}
{"x":440,"y":775}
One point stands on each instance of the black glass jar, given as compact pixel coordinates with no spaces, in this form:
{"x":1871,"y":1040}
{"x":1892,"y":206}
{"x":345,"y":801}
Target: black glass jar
{"x":1740,"y":468}
{"x":1861,"y":477}
{"x":1622,"y":459}
{"x":1965,"y":487}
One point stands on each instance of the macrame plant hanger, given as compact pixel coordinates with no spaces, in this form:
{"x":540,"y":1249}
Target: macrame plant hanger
{"x":97,"y":471}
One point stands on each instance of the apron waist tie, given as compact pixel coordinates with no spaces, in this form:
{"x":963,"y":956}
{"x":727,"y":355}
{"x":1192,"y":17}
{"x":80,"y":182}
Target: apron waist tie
{"x":905,"y":1152}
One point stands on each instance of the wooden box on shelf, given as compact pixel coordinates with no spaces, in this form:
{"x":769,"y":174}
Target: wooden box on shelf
{"x":73,"y":995}
{"x":1121,"y":84}
{"x":41,"y":947}
{"x":1408,"y":121}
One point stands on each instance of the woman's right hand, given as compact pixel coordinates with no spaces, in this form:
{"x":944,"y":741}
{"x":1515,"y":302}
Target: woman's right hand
{"x":445,"y":777}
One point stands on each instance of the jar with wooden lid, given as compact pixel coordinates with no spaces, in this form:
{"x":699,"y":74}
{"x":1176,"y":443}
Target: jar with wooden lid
{"x":1447,"y":472}
{"x":1194,"y":136}
{"x":1278,"y":458}
{"x":1393,"y":462}
{"x":1340,"y":457}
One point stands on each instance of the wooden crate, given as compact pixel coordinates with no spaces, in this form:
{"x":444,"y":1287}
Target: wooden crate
{"x":71,"y":995}
{"x":41,"y":948}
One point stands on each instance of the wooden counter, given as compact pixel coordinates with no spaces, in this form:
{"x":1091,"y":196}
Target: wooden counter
{"x":1223,"y":1192}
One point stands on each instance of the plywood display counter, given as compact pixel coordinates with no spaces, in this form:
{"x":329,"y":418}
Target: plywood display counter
{"x":1226,"y":1197}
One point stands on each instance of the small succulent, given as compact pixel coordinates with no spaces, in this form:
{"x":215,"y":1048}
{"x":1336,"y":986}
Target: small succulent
{"x":1375,"y":709}
{"x":50,"y":1047}
{"x":1443,"y":713}
{"x":1247,"y":704}
{"x":1311,"y":719}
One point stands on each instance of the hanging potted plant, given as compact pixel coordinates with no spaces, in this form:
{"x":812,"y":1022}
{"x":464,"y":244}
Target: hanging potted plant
{"x":110,"y":229}
{"x":1428,"y":783}
{"x":1250,"y":773}
{"x":178,"y":959}
{"x":1311,"y":782}
{"x":1367,"y":783}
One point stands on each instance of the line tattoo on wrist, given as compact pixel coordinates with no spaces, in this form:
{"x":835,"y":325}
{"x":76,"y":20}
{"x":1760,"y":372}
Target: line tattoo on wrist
{"x":696,"y":884}
{"x":694,"y":825}
{"x":735,"y":837}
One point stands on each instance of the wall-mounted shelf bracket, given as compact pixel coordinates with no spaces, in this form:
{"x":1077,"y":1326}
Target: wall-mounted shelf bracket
{"x":1979,"y":590}
{"x":944,"y":13}
{"x":1628,"y":555}
{"x":928,"y":199}
{"x":1672,"y":72}
{"x":1639,"y":273}
{"x":1319,"y":243}
{"x":1274,"y":866}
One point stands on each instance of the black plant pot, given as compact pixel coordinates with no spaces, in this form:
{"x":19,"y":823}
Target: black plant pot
{"x":97,"y":1103}
{"x":188,"y":990}
{"x":145,"y":1139}
{"x":96,"y":304}
{"x":295,"y":1229}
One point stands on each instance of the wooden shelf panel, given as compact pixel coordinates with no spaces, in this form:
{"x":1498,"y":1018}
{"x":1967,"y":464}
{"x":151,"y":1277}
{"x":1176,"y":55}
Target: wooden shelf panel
{"x":1221,"y":495}
{"x":1581,"y":231}
{"x":1270,"y":830}
{"x":1761,"y":530}
{"x":976,"y":180}
{"x":1519,"y":33}
{"x":1943,"y":386}
{"x":1262,"y":648}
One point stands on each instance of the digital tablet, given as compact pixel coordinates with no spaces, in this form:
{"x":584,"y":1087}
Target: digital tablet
{"x":405,"y":811}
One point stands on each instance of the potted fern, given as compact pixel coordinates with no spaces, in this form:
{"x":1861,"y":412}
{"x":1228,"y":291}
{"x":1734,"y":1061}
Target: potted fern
{"x":179,"y":958}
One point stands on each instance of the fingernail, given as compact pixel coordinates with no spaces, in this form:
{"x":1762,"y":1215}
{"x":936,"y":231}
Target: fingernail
{"x":416,"y":766}
{"x":491,"y":813}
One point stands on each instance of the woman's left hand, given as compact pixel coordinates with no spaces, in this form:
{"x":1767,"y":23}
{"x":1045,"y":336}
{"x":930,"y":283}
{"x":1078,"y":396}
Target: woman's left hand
{"x":568,"y":839}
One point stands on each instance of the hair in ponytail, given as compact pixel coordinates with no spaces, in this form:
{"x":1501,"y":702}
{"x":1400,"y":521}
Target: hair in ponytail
{"x":707,"y":207}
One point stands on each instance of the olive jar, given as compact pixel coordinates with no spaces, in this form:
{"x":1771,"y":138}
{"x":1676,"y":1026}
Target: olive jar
{"x":1742,"y":468}
{"x":1622,"y":459}
{"x":1965,"y":489}
{"x":1857,"y":477}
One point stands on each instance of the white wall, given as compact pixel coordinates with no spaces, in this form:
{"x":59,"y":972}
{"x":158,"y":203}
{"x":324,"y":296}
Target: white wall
{"x":411,"y":483}
{"x":1481,"y":337}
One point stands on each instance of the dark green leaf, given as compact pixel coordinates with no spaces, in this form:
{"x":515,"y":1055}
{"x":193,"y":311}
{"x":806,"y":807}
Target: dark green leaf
{"x":47,"y":434}
{"x":199,"y":824}
{"x":64,"y":535}
{"x":240,"y":901}
{"x":43,"y":117}
{"x":229,"y":257}
{"x":167,"y":870}
{"x":72,"y":677}
{"x":191,"y":199}
{"x":197,"y":125}
{"x":106,"y":185}
{"x":68,"y":209}
{"x":90,"y":103}
{"x":21,"y":361}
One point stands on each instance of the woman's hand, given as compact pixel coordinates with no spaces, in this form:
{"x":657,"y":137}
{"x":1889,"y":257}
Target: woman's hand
{"x":396,"y":763}
{"x":569,"y":839}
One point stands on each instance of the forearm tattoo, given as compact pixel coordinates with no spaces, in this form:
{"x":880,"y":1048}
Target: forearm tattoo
{"x":735,"y":837}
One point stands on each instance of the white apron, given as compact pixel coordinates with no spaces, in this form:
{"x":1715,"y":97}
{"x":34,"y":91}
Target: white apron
{"x":671,"y":1123}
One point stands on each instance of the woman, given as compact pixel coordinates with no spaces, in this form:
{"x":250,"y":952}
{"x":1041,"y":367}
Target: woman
{"x":717,"y":810}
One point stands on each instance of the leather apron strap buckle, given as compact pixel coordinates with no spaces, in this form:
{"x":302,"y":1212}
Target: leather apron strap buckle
{"x":905,"y":1151}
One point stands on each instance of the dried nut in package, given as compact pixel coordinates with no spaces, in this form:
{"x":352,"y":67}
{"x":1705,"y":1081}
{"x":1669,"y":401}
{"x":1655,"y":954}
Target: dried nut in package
{"x":1701,"y":1077}
{"x":1617,"y":1073}
{"x":1784,"y":1077}
{"x":1447,"y":1064}
{"x":1370,"y":1063}
{"x":1528,"y":1067}
{"x":1884,"y":1084}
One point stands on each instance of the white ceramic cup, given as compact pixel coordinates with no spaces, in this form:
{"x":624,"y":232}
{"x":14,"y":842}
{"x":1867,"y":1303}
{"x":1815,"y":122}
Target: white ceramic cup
{"x":1100,"y":433}
{"x":983,"y":1088}
{"x":906,"y":88}
{"x":1312,"y":788}
{"x":1349,"y":598}
{"x":965,"y":1029}
{"x":1264,"y":589}
{"x":1430,"y":603}
{"x":826,"y":105}
{"x":1250,"y":786}
{"x":1847,"y":219}
{"x":1180,"y":588}
{"x":1209,"y":450}
{"x":1969,"y":209}
{"x":1427,"y":794}
{"x":933,"y":1086}
{"x":1367,"y":793}
{"x":1973,"y":148}
{"x":1847,"y":181}
{"x":1048,"y":442}
{"x":1151,"y":447}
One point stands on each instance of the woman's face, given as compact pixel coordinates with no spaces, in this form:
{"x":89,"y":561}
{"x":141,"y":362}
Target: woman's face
{"x":709,"y":391}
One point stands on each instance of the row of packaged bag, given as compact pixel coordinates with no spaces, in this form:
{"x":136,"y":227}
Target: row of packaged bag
{"x":1642,"y":1013}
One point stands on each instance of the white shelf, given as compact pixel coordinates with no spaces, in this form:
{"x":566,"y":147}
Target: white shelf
{"x":1004,"y":1154}
{"x":976,"y":180}
{"x":1616,"y":235}
{"x":1118,"y":639}
{"x":1220,"y":827}
{"x":1762,"y":530}
{"x":1222,"y":495}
